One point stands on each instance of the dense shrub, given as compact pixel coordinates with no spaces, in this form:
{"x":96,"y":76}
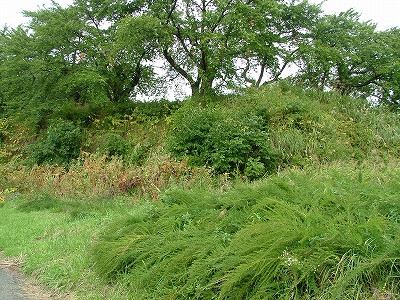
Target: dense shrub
{"x":78,"y":113}
{"x":155,"y":109}
{"x":225,"y":140}
{"x":61,"y":145}
{"x":114,"y":145}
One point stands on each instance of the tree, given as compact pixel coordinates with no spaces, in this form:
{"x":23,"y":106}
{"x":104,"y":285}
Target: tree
{"x":43,"y":62}
{"x":273,"y":38}
{"x":351,"y":57}
{"x":202,"y":39}
{"x":116,"y":47}
{"x":97,"y":50}
{"x":218,"y":44}
{"x":73,"y":54}
{"x":15,"y":59}
{"x":386,"y":88}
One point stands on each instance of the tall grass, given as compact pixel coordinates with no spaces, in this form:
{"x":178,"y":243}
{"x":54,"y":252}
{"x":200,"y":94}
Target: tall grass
{"x":320,"y":235}
{"x":97,"y":176}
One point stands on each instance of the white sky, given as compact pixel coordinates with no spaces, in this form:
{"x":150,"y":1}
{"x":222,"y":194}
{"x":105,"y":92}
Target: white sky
{"x":386,"y":13}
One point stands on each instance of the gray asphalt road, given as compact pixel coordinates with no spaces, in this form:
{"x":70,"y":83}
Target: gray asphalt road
{"x":9,"y":285}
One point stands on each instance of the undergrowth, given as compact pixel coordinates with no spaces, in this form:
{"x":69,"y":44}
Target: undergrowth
{"x":154,"y":146}
{"x":281,"y":126}
{"x":96,"y":176}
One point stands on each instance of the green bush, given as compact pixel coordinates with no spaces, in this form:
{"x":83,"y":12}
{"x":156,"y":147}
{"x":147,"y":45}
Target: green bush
{"x":254,"y":168}
{"x":61,"y":145}
{"x":222,"y":139}
{"x":78,"y":113}
{"x":114,"y":145}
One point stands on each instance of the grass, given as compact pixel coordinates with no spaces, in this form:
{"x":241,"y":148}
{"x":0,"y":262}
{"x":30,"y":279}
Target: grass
{"x":52,"y":237}
{"x":329,"y":233}
{"x":303,"y":235}
{"x":149,"y":226}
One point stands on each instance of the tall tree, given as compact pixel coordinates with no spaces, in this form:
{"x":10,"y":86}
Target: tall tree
{"x":275,"y":32}
{"x":221,"y":43}
{"x":15,"y":61}
{"x":351,"y":57}
{"x":386,"y":88}
{"x":110,"y":49}
{"x":71,"y":53}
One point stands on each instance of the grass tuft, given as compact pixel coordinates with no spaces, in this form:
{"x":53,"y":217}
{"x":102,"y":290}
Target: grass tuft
{"x":294,"y":236}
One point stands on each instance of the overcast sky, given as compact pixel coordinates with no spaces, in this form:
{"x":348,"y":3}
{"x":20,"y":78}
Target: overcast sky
{"x":383,"y":12}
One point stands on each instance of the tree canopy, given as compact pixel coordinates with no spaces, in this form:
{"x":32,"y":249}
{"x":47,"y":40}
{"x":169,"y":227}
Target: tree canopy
{"x":350,"y":56}
{"x":113,"y":50}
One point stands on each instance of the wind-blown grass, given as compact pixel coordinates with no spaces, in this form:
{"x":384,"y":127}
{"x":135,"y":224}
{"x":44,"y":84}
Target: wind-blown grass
{"x":321,"y":235}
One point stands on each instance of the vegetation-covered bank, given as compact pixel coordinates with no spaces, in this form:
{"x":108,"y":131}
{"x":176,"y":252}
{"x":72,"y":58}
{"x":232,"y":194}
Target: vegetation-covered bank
{"x":320,"y":233}
{"x":279,"y":193}
{"x":159,"y":144}
{"x":254,"y":188}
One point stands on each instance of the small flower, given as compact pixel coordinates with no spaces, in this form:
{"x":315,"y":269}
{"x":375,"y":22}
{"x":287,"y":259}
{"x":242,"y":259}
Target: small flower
{"x":289,"y":259}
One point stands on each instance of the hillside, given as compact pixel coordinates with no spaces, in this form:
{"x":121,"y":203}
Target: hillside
{"x":134,"y":145}
{"x":277,"y":193}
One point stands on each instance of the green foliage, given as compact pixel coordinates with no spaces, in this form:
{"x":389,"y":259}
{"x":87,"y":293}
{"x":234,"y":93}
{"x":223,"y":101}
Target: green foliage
{"x":351,"y":57}
{"x":61,"y":145}
{"x":66,"y":54}
{"x":83,"y":114}
{"x":4,"y":130}
{"x":201,"y":42}
{"x":279,"y":127}
{"x":156,"y":110}
{"x":312,"y":235}
{"x":82,"y":86}
{"x":254,"y":168}
{"x":141,"y":151}
{"x":222,"y":139}
{"x":114,"y":145}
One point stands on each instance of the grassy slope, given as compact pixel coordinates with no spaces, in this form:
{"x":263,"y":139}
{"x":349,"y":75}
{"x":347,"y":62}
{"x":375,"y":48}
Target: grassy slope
{"x":53,"y":243}
{"x":329,"y":231}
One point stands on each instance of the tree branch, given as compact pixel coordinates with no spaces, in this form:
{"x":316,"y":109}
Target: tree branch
{"x":177,"y":68}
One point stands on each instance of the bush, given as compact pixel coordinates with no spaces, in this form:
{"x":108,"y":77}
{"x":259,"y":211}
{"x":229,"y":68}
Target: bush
{"x":78,"y":113}
{"x":224,"y":140}
{"x":114,"y":145}
{"x":61,"y":145}
{"x":254,"y":168}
